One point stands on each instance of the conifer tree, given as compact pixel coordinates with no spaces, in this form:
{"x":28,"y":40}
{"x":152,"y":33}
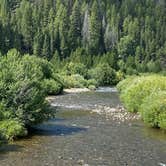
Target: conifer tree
{"x":37,"y":44}
{"x":95,"y":29}
{"x":25,"y":20}
{"x":46,"y":49}
{"x":75,"y":26}
{"x":63,"y":31}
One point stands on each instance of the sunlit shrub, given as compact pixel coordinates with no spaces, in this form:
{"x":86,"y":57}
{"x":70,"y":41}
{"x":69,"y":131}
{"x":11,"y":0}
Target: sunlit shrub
{"x":124,"y":84}
{"x":153,"y":109}
{"x":103,"y":74}
{"x":135,"y":92}
{"x":119,"y":76}
{"x":76,"y":68}
{"x":92,"y":87}
{"x":11,"y":129}
{"x":74,"y":81}
{"x":92,"y":82}
{"x":24,"y":83}
{"x":52,"y":87}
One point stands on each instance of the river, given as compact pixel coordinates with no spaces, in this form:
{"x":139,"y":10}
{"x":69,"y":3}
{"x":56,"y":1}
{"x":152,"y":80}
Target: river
{"x":78,"y":136}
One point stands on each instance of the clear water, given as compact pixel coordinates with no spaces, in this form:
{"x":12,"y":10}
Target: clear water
{"x":78,"y":137}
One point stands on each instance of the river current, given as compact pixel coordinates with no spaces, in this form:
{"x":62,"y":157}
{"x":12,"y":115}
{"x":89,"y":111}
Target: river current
{"x":77,"y":136}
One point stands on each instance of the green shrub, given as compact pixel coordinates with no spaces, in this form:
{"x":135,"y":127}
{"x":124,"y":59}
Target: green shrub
{"x":119,"y":76}
{"x":22,"y":95}
{"x":74,"y":81}
{"x":77,"y":81}
{"x":52,"y":87}
{"x":153,"y":110}
{"x":154,"y":66}
{"x":29,"y":102}
{"x":11,"y":129}
{"x":103,"y":74}
{"x":92,"y":87}
{"x":92,"y":82}
{"x":131,"y":71}
{"x":75,"y":68}
{"x":139,"y":89}
{"x":124,"y":84}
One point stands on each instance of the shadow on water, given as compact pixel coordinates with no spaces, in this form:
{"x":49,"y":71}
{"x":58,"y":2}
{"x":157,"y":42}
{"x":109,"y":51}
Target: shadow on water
{"x":56,"y":126}
{"x":57,"y":130}
{"x":7,"y":148}
{"x":154,"y":133}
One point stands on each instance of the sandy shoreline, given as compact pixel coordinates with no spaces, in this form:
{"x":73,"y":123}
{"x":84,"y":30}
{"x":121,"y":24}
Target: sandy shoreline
{"x":76,"y":90}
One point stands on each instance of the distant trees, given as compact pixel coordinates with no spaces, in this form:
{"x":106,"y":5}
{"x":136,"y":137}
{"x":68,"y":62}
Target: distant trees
{"x":129,"y":28}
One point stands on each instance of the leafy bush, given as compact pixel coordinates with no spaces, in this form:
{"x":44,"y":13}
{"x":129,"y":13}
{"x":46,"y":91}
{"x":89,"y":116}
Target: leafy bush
{"x":124,"y":84}
{"x":76,"y":68}
{"x":74,"y":81}
{"x":119,"y":76}
{"x":91,"y":87}
{"x":153,"y":110}
{"x":77,"y":81}
{"x":154,"y":66}
{"x":23,"y":88}
{"x":92,"y":82}
{"x":103,"y":74}
{"x":139,"y":88}
{"x":146,"y":94}
{"x":52,"y":87}
{"x":131,"y":71}
{"x":11,"y":128}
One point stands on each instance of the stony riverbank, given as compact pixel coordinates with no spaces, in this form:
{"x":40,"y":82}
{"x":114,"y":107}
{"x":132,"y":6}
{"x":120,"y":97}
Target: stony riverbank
{"x":117,"y":114}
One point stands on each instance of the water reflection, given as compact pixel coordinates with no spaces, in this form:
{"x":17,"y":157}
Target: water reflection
{"x":57,"y":130}
{"x":9,"y":148}
{"x":154,"y":133}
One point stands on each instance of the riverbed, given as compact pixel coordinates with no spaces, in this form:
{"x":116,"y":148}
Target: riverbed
{"x":79,"y":135}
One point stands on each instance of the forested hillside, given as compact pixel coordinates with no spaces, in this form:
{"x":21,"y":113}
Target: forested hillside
{"x":133,"y":31}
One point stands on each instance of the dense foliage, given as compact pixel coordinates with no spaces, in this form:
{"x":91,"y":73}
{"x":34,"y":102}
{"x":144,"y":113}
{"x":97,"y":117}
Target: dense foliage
{"x":154,"y":109}
{"x":147,"y":95}
{"x":24,"y":82}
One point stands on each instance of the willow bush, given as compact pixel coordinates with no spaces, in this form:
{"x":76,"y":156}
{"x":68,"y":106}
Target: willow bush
{"x":139,"y":88}
{"x":25,"y":81}
{"x":153,"y":110}
{"x":146,"y":95}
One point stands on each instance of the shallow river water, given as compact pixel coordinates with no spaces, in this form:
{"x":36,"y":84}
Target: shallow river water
{"x":78,"y":137}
